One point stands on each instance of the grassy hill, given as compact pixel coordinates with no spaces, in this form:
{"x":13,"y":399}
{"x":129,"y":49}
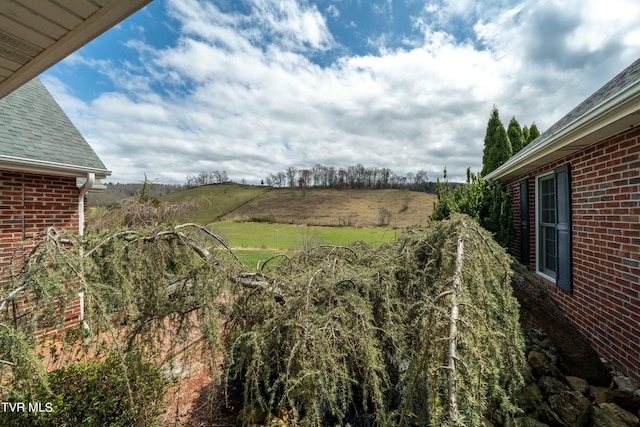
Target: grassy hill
{"x":215,"y":200}
{"x":314,"y":206}
{"x":342,"y":208}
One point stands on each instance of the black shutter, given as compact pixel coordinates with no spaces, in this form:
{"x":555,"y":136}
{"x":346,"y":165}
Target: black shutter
{"x":563,"y":227}
{"x":524,"y":222}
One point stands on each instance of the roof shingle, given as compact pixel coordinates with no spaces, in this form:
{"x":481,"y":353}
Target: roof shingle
{"x":33,"y":127}
{"x":627,"y":77}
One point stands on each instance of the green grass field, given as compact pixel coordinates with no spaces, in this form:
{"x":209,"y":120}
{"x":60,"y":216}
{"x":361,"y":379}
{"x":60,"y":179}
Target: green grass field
{"x":284,"y":237}
{"x":254,"y":242}
{"x":302,"y":218}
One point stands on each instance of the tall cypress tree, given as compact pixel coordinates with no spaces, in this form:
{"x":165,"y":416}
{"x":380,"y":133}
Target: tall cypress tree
{"x":515,"y":135}
{"x":525,"y":135}
{"x":533,"y":133}
{"x":497,"y":148}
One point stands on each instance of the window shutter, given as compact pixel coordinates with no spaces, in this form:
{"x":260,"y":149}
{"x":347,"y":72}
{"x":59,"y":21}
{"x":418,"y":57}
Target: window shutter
{"x":563,"y":227}
{"x":524,"y":222}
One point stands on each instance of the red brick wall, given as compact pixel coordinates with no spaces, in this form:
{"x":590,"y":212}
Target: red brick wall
{"x":29,"y":203}
{"x":605,"y":203}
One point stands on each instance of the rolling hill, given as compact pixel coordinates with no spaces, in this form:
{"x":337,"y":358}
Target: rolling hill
{"x":311,"y":206}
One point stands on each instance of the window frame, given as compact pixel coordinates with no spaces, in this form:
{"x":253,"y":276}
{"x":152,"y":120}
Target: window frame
{"x":547,"y":274}
{"x":562,"y":277}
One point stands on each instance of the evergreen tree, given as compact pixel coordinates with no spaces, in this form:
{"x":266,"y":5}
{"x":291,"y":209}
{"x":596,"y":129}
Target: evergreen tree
{"x":497,"y":148}
{"x":515,"y":135}
{"x":525,"y":135}
{"x":533,"y":132}
{"x":489,"y":203}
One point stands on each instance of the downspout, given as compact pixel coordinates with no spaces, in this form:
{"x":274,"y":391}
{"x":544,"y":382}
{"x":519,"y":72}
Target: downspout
{"x":91,"y":177}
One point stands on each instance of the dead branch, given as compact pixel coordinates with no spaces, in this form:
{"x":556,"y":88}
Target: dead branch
{"x":453,"y":341}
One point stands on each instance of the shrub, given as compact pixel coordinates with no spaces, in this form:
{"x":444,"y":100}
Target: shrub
{"x":114,"y":392}
{"x":486,"y":202}
{"x":270,"y":219}
{"x":356,"y":335}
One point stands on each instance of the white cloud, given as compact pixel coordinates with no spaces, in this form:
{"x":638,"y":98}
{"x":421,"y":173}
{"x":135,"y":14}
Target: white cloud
{"x":243,"y":95}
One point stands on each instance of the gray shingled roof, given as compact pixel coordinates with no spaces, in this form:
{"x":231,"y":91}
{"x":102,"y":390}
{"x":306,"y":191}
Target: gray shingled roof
{"x":33,"y":127}
{"x":627,"y":77}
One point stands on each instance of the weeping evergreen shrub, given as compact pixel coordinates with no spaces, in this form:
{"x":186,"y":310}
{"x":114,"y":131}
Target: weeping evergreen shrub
{"x":422,"y":331}
{"x":363,"y":336}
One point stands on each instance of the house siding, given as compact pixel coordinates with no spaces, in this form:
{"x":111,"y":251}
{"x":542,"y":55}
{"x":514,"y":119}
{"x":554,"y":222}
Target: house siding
{"x":29,"y":203}
{"x":605,"y":203}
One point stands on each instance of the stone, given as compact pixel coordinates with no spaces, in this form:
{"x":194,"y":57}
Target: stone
{"x":541,"y":366}
{"x":601,"y":418}
{"x":578,"y":384}
{"x":627,"y":383}
{"x":550,"y":386}
{"x":572,"y":407}
{"x":544,"y":413}
{"x":525,"y":422}
{"x":175,"y":371}
{"x":627,"y":400}
{"x":530,"y":397}
{"x":598,"y":394}
{"x":623,"y":415}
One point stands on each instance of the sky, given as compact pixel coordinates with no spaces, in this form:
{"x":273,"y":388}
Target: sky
{"x":253,"y":87}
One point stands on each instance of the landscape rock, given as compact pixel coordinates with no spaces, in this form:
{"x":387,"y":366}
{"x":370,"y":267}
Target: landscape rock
{"x":601,"y":418}
{"x":541,"y":366}
{"x":175,"y":371}
{"x":627,"y":384}
{"x":598,"y":394}
{"x":621,"y":414}
{"x":530,"y":397}
{"x":578,"y":384}
{"x":572,"y":407}
{"x":525,"y":422}
{"x":551,"y":386}
{"x":545,"y":414}
{"x":625,"y":399}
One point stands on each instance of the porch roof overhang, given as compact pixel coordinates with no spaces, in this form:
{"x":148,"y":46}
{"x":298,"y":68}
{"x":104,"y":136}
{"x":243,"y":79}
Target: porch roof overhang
{"x":36,"y":34}
{"x":617,"y":114}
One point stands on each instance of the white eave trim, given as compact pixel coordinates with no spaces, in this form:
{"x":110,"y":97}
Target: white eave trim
{"x":111,"y":13}
{"x":621,"y":105}
{"x":49,"y":168}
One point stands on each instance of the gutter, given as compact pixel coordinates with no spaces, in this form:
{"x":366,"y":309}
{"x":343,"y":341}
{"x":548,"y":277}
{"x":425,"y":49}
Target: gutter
{"x":82,"y":192}
{"x":52,"y":168}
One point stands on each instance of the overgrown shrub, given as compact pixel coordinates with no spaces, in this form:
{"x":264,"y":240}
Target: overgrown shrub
{"x":360,"y":336}
{"x":119,"y":391}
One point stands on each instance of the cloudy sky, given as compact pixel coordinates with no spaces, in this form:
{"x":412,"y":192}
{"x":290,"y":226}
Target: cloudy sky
{"x":255,"y":86}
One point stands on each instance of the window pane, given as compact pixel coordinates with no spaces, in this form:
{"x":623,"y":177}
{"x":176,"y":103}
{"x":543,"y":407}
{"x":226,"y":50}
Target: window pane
{"x":548,"y":200}
{"x":549,"y":249}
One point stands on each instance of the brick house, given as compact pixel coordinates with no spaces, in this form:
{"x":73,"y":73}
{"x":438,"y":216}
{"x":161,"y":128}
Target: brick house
{"x":46,"y":169}
{"x":576,"y":211}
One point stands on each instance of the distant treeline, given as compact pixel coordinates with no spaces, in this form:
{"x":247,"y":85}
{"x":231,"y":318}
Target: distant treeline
{"x":357,"y":176}
{"x":116,"y":192}
{"x":206,"y":178}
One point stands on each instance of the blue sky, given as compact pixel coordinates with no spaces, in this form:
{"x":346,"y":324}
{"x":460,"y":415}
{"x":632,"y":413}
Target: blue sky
{"x":255,"y":86}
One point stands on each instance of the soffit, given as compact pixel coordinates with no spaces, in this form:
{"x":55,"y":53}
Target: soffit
{"x":36,"y":34}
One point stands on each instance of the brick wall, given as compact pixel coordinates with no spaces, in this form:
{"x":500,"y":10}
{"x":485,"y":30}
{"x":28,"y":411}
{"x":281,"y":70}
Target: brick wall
{"x":605,"y":203}
{"x":29,"y":203}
